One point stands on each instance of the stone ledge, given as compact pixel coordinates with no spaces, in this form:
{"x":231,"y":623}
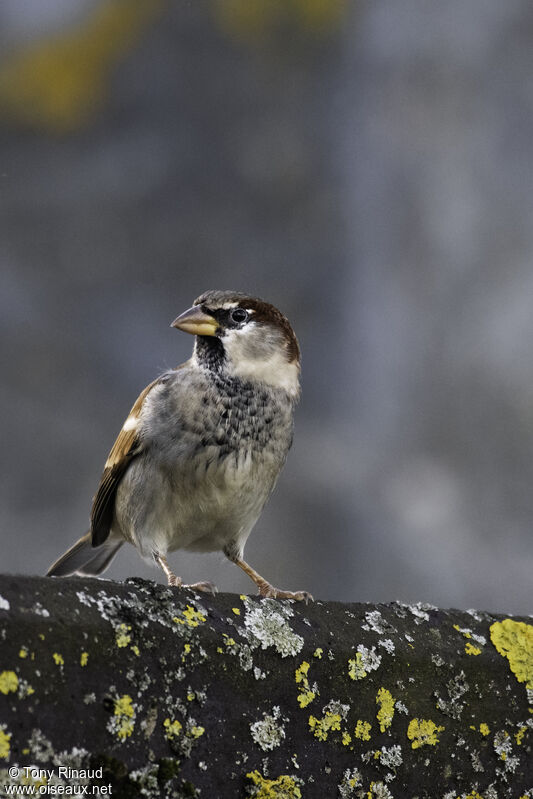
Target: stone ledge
{"x":171,"y":693}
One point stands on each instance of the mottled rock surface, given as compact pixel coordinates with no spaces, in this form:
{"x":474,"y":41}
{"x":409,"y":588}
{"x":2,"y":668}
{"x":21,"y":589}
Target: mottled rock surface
{"x":169,"y":693}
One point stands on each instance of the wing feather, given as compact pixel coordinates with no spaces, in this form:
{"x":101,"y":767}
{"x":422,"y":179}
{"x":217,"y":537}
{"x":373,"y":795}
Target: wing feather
{"x":127,"y":447}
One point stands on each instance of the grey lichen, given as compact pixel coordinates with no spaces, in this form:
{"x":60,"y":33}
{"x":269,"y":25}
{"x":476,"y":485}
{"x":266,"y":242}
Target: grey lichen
{"x":365,"y":661}
{"x":351,"y":780}
{"x":456,"y":688}
{"x":266,"y":625}
{"x":215,"y":685}
{"x":269,"y":732}
{"x":378,"y":790}
{"x":391,"y":757}
{"x":146,"y":782}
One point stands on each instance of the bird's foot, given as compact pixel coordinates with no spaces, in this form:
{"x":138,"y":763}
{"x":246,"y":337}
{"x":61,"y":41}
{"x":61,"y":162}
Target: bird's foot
{"x":267,"y":590}
{"x":206,"y":586}
{"x":177,"y":582}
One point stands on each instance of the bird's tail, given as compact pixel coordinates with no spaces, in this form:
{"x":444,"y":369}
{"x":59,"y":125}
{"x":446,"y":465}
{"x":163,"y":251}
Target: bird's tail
{"x":83,"y":558}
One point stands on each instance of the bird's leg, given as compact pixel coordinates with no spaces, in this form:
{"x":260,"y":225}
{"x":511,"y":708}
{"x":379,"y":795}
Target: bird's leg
{"x":171,"y":577}
{"x":177,"y":581}
{"x":265,"y":589}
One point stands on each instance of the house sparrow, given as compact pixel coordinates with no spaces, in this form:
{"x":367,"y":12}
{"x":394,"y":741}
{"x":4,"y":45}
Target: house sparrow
{"x":202,"y":447}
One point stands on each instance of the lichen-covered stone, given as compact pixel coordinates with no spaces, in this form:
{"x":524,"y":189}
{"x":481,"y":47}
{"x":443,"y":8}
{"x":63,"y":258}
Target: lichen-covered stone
{"x":159,"y":691}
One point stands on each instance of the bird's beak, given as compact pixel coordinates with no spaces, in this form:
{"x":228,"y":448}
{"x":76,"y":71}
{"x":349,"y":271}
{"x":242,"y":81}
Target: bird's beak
{"x":197,"y":322}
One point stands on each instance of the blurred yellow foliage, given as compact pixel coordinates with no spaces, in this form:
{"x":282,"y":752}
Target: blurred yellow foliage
{"x":58,"y":83}
{"x":248,"y":20}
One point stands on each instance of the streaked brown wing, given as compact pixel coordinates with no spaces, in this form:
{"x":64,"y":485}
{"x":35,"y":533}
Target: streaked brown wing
{"x":126,"y":447}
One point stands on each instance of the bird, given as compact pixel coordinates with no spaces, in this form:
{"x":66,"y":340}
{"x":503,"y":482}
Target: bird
{"x":202,"y":447}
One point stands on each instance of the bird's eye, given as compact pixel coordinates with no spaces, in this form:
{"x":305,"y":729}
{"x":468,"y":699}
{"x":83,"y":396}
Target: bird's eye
{"x":239,"y":315}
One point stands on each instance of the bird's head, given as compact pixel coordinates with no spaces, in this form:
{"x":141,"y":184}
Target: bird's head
{"x":245,"y":337}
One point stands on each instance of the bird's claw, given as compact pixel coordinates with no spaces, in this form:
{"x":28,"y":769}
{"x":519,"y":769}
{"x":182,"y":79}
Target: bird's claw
{"x":205,"y":585}
{"x":267,"y":590}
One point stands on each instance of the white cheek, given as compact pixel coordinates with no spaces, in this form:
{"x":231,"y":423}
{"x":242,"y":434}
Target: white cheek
{"x":274,"y":371}
{"x":271,"y":367}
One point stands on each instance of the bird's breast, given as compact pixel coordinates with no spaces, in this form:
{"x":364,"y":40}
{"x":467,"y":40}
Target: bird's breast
{"x":231,"y":419}
{"x":212,"y":457}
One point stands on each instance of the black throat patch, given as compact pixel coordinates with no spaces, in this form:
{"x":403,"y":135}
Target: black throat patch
{"x":210,"y":352}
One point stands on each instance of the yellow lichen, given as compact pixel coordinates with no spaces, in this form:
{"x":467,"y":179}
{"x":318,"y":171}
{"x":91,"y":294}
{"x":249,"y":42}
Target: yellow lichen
{"x":356,"y":670}
{"x":484,"y":729}
{"x":301,"y":672}
{"x":306,"y":696}
{"x":191,"y":617}
{"x":9,"y":682}
{"x":5,"y":745}
{"x":196,"y":731}
{"x":84,"y":657}
{"x":386,"y":711}
{"x":237,"y":611}
{"x":322,"y":727}
{"x":125,"y":714}
{"x":23,"y":653}
{"x":284,"y":787}
{"x":122,"y":636}
{"x":346,"y":738}
{"x":318,"y":652}
{"x":58,"y":659}
{"x":523,"y":728}
{"x":423,"y":732}
{"x":173,"y":729}
{"x":470,"y":649}
{"x":351,"y":779}
{"x":514,"y":640}
{"x":362,"y":730}
{"x":124,"y":706}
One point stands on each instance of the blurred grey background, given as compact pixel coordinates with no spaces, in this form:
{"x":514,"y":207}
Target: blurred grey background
{"x":365,"y":166}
